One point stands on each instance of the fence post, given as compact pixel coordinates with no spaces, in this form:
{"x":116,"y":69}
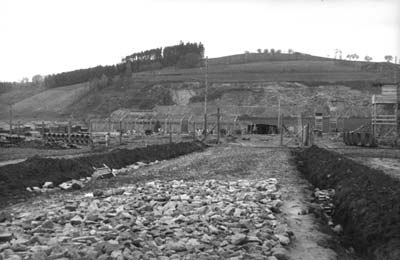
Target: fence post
{"x":307,"y":134}
{"x":69,"y":131}
{"x":218,"y":125}
{"x":91,"y":134}
{"x":18,"y":129}
{"x":120,"y":132}
{"x":281,"y":129}
{"x":43,"y":128}
{"x":194,"y":130}
{"x":301,"y":125}
{"x":170,"y":131}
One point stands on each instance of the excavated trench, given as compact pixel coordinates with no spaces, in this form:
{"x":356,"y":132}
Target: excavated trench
{"x":15,"y":178}
{"x":366,"y":201}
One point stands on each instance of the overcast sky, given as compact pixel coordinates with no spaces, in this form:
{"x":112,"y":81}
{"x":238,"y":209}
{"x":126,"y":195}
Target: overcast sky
{"x":51,"y":36}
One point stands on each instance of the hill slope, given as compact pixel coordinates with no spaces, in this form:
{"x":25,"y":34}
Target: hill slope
{"x":50,"y":103}
{"x":237,"y":87}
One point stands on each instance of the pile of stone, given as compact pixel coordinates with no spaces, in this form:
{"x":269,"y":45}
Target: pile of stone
{"x":208,"y":219}
{"x":104,"y":172}
{"x":325,"y":201}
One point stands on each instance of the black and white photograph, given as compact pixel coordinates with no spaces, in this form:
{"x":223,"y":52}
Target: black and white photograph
{"x":200,"y":129}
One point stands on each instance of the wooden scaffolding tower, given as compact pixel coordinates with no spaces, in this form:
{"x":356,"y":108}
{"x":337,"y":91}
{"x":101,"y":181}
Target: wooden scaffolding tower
{"x":385,"y":112}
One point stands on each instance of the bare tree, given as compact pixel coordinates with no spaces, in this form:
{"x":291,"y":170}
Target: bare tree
{"x":25,"y":80}
{"x":337,"y":51}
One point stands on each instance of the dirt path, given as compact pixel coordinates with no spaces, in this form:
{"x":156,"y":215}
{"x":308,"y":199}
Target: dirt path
{"x":243,"y":160}
{"x":225,"y":164}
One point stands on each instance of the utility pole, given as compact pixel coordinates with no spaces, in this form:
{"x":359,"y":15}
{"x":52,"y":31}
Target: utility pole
{"x":18,"y":128}
{"x":205,"y":97}
{"x":301,"y":125}
{"x":91,"y":134}
{"x":279,"y":112}
{"x":69,"y":131}
{"x":194,"y":130}
{"x":218,"y":125}
{"x":120,"y":132}
{"x":170,"y":130}
{"x":281,"y":130}
{"x":10,"y":121}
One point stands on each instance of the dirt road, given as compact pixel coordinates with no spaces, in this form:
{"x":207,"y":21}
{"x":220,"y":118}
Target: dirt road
{"x":236,"y":172}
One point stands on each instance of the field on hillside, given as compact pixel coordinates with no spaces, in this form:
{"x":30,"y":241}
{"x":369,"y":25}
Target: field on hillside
{"x":297,"y":70}
{"x":17,"y":94}
{"x":145,"y":90}
{"x":51,"y":103}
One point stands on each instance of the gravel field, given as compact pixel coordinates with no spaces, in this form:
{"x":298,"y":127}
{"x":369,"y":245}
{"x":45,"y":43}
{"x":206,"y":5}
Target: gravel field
{"x":227,"y":202}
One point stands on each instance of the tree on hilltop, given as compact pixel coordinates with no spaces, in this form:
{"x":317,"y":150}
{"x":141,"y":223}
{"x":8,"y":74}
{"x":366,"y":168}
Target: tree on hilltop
{"x":388,"y":58}
{"x":190,"y":60}
{"x":367,"y":58}
{"x":37,"y":79}
{"x":353,"y":56}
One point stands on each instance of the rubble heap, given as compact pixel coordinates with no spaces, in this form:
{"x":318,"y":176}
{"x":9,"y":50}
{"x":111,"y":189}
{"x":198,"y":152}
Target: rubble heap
{"x":208,"y":219}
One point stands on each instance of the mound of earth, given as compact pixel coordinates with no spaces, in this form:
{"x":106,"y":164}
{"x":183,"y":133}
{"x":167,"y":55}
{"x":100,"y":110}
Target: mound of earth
{"x":35,"y":171}
{"x":367,"y":201}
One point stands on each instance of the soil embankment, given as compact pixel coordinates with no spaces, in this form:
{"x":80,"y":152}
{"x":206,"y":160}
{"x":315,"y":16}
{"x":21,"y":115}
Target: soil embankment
{"x":15,"y":178}
{"x":367,"y":201}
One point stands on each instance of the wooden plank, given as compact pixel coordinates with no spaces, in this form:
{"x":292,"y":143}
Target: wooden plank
{"x":384,"y":120}
{"x":384,"y":100}
{"x":384,"y":123}
{"x":389,"y":87}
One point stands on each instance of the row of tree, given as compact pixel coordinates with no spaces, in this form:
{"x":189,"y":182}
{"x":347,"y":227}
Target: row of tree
{"x":83,"y":75}
{"x":178,"y":54}
{"x":354,"y":56}
{"x":182,"y":55}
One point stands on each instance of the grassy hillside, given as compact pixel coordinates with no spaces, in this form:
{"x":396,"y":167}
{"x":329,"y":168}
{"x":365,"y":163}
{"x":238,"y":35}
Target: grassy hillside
{"x":17,"y":94}
{"x":235,"y":81}
{"x":294,"y":70}
{"x":48,"y":103}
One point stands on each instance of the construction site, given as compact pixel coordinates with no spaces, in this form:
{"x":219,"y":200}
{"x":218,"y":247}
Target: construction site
{"x":278,"y":178}
{"x":275,"y":135}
